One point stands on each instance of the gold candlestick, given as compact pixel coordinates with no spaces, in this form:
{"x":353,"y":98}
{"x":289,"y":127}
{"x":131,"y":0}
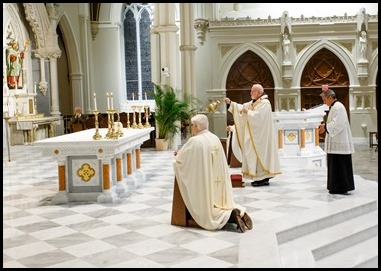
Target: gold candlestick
{"x":140,"y":125}
{"x":128,"y":120}
{"x":147,"y":114}
{"x":97,"y":135}
{"x":119,"y":132}
{"x":134,"y":125}
{"x":111,"y":130}
{"x":128,"y":117}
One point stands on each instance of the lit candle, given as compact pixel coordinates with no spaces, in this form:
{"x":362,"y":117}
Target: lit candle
{"x":95,"y":102}
{"x":145,"y":95}
{"x":112,"y":99}
{"x":133,"y":96}
{"x":108,"y":100}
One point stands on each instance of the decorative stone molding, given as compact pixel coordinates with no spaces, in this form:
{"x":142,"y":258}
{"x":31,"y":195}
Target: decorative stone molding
{"x":94,"y":29}
{"x":201,"y":25}
{"x":248,"y":21}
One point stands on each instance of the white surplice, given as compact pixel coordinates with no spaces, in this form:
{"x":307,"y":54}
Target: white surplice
{"x":256,"y":137}
{"x":202,"y":174}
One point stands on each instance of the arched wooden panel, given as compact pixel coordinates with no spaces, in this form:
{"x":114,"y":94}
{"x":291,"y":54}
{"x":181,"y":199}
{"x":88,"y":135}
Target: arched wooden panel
{"x":247,"y":70}
{"x":324,"y":68}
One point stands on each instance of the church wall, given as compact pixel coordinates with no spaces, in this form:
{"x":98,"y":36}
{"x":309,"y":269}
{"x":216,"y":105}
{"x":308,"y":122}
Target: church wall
{"x":95,"y":61}
{"x":265,"y":10}
{"x":226,"y":40}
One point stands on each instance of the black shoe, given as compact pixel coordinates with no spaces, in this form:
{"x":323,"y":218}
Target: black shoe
{"x":340,"y":193}
{"x":261,"y":183}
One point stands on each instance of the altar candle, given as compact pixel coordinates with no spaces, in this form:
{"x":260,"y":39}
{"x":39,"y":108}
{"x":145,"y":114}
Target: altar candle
{"x":95,"y":102}
{"x":35,"y":87}
{"x":145,"y":95}
{"x":133,"y":96}
{"x":112,"y":99}
{"x":108,"y":100}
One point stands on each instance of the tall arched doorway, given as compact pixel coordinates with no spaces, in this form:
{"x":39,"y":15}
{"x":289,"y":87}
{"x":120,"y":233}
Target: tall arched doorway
{"x":324,"y":68}
{"x":247,"y":70}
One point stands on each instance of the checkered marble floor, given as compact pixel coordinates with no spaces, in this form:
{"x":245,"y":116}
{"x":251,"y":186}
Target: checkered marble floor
{"x":136,"y":231}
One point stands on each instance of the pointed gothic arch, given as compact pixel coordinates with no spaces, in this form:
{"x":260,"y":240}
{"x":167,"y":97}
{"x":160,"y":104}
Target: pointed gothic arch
{"x":266,"y":55}
{"x":247,"y":70}
{"x":324,"y":68}
{"x":308,"y":52}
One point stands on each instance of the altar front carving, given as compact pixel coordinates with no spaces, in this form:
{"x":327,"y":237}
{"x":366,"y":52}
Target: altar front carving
{"x":298,"y":137}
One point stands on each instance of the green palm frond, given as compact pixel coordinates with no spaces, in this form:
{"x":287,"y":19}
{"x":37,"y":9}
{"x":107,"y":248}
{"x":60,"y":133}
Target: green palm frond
{"x":169,"y":110}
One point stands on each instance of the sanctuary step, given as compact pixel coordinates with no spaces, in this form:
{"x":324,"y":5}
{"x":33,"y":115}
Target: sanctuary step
{"x":318,"y":218}
{"x":333,"y":243}
{"x":324,"y":236}
{"x":351,"y":258}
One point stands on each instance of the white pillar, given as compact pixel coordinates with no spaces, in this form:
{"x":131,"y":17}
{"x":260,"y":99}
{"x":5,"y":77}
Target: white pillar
{"x":54,"y":87}
{"x":187,"y":48}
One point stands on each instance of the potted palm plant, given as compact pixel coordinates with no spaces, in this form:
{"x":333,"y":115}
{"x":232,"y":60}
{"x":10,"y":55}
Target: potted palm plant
{"x":169,"y":113}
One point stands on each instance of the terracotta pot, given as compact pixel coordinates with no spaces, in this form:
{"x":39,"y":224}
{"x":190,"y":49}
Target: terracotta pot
{"x":161,"y":144}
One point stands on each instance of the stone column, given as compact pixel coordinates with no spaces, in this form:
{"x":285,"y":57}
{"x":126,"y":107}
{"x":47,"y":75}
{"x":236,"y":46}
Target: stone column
{"x":137,"y":153}
{"x":187,"y":49}
{"x":120,"y":189}
{"x":316,"y":129}
{"x":302,"y":138}
{"x":129,"y":163}
{"x":61,"y":197}
{"x":54,"y":87}
{"x":106,"y":196}
{"x":280,"y":139}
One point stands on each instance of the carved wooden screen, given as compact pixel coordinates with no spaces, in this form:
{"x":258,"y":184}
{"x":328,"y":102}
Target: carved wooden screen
{"x":324,"y":68}
{"x":247,"y":70}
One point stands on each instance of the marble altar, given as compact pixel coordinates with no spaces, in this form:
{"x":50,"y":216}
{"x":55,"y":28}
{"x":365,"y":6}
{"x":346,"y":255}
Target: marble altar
{"x":95,"y":170}
{"x":298,"y":137}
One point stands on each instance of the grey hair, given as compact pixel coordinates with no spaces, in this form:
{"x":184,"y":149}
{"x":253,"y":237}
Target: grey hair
{"x":201,"y":121}
{"x":259,"y":87}
{"x":328,"y":93}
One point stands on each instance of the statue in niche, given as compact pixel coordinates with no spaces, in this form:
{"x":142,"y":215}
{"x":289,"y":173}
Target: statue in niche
{"x":14,"y":64}
{"x":286,"y":48}
{"x":362,"y":45}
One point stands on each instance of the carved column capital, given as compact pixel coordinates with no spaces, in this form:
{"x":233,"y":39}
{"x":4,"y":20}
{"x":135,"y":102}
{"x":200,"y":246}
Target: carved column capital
{"x":201,"y":25}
